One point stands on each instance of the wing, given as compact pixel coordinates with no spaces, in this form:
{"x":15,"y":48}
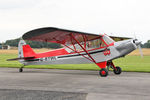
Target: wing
{"x":57,"y":35}
{"x":62,"y":36}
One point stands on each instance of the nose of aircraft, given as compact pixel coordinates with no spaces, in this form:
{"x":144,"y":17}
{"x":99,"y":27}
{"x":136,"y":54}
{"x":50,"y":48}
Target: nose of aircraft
{"x":137,"y":42}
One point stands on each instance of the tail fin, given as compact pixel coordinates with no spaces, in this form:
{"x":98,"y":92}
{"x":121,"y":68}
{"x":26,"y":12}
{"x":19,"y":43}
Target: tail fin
{"x":20,"y":49}
{"x":25,"y":50}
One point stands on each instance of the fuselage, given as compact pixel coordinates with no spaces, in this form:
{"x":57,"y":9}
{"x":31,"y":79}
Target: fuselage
{"x":109,"y":51}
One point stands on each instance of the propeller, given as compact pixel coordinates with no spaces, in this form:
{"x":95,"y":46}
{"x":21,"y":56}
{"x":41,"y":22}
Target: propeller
{"x":138,"y":44}
{"x":140,"y":49}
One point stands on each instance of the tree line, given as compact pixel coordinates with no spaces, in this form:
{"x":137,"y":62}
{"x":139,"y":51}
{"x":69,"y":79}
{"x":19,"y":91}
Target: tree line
{"x":146,"y":45}
{"x":33,"y":44}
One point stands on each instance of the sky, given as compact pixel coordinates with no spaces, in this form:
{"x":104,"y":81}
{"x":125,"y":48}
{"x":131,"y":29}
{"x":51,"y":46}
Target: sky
{"x":124,"y":18}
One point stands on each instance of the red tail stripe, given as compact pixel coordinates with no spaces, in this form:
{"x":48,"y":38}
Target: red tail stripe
{"x":57,"y":52}
{"x":27,"y":51}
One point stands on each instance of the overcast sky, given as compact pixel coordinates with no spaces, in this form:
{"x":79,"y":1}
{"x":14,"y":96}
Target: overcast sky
{"x":113,"y":17}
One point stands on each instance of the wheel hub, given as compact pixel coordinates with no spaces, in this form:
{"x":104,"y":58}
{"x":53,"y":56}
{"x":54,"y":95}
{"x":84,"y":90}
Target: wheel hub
{"x":103,"y":72}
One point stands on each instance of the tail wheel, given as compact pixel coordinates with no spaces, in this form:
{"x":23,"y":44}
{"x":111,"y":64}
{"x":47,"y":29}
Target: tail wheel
{"x":117,"y":70}
{"x":103,"y":72}
{"x":20,"y":69}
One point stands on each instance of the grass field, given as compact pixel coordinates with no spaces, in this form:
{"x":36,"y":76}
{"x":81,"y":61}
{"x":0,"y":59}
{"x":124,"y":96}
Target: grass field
{"x":132,"y":62}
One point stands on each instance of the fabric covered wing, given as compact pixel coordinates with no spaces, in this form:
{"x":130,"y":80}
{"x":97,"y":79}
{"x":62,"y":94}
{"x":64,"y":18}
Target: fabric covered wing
{"x":62,"y":36}
{"x":57,"y":35}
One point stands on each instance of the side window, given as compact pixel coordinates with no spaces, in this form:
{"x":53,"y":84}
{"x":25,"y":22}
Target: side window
{"x":78,"y":48}
{"x":97,"y":43}
{"x":102,"y":44}
{"x":88,"y":45}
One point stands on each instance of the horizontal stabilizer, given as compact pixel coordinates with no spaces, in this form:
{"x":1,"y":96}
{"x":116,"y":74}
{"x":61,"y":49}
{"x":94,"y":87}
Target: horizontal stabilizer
{"x":22,"y":58}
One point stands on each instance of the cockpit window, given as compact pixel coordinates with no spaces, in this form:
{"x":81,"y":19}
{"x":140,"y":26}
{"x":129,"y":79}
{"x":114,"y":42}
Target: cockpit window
{"x":97,"y":43}
{"x":100,"y":42}
{"x":107,"y":39}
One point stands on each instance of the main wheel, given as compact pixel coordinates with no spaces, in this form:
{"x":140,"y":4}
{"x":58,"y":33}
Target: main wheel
{"x":103,"y":72}
{"x":117,"y":70}
{"x":20,"y":69}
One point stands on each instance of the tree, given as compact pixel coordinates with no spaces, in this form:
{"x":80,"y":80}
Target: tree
{"x":33,"y":44}
{"x":148,"y":41}
{"x":146,"y":45}
{"x":13,"y":42}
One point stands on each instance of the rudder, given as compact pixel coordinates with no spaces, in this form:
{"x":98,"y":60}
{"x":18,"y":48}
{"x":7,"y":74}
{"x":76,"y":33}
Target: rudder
{"x":25,"y":50}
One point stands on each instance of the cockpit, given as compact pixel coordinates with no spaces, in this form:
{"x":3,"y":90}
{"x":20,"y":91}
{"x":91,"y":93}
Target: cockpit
{"x":95,"y":43}
{"x":100,"y":42}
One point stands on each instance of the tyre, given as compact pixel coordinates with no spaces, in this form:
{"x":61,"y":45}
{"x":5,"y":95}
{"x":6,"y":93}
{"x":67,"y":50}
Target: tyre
{"x":103,"y":72}
{"x":20,"y":70}
{"x":117,"y":70}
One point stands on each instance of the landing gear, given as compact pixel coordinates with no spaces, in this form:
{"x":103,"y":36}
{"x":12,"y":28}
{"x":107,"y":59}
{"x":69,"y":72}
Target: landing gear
{"x":117,"y":70}
{"x":103,"y":72}
{"x":21,"y":69}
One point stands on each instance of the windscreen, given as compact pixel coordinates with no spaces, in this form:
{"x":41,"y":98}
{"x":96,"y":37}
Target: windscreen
{"x":107,"y":39}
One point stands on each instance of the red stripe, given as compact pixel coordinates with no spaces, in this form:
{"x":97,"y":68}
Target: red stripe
{"x":57,"y":52}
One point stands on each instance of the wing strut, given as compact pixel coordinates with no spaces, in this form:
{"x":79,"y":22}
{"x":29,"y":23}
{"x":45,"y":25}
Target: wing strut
{"x":75,"y":50}
{"x":72,"y":49}
{"x":78,"y":52}
{"x":84,"y":48}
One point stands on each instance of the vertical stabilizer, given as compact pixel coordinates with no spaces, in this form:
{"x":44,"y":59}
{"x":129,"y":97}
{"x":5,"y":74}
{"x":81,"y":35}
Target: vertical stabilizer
{"x":25,"y":50}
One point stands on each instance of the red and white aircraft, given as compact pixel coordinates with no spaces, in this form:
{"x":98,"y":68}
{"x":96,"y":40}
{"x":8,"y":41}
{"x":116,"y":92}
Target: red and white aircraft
{"x":79,"y":48}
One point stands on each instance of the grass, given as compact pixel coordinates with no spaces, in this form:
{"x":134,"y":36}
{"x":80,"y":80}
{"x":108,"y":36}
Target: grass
{"x":134,"y":63}
{"x":129,"y":63}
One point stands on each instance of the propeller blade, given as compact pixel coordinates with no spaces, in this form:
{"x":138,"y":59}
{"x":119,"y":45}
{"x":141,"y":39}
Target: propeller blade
{"x":140,"y":49}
